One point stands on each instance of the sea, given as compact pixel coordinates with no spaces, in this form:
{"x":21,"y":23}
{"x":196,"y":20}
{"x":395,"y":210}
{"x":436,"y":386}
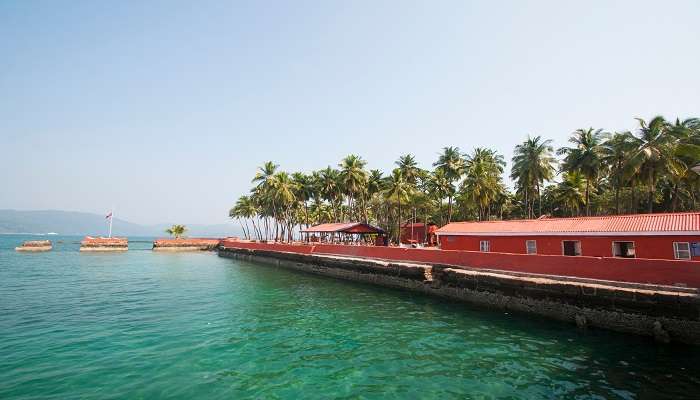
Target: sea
{"x":150,"y":325}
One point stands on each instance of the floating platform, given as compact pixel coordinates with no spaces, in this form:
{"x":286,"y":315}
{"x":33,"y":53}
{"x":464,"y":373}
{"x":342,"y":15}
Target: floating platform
{"x":186,"y":244}
{"x":35,"y":246}
{"x":104,"y":244}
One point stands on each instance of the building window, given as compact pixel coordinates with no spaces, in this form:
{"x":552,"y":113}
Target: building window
{"x":681,"y":250}
{"x":623,"y":249}
{"x":531,"y":246}
{"x":571,"y":247}
{"x":484,"y":245}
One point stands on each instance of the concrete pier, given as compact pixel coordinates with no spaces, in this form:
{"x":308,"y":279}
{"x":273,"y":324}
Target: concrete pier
{"x":35,"y":246}
{"x":186,"y":244}
{"x":101,"y":244}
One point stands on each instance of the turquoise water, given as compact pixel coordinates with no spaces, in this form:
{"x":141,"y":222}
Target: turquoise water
{"x":144,"y":325}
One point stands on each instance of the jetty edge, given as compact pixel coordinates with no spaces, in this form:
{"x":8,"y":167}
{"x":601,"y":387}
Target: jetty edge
{"x":97,"y":244}
{"x":35,"y":246}
{"x":663,"y":312}
{"x":186,"y":244}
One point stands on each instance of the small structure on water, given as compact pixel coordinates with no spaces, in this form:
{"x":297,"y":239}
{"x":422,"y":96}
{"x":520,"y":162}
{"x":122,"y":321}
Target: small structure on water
{"x":345,"y":232}
{"x":185,"y":244}
{"x":651,"y":236}
{"x":35,"y":246}
{"x":104,"y":244}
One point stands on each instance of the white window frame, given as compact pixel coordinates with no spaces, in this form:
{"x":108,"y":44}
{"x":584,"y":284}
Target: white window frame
{"x":484,"y":244}
{"x":676,"y":251}
{"x":624,"y":241}
{"x":527,"y":246}
{"x":580,"y":248}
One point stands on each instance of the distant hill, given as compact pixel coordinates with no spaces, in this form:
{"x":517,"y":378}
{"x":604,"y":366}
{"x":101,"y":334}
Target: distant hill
{"x":81,"y":223}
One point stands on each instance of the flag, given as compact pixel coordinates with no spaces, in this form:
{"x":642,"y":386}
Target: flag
{"x":109,"y":215}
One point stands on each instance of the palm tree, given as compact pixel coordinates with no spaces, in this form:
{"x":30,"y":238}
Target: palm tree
{"x":330,"y":188}
{"x":614,"y":155}
{"x":585,"y":157}
{"x":409,"y":168}
{"x":569,"y":194}
{"x":283,"y":190}
{"x":482,"y":182}
{"x":686,"y":154}
{"x":354,"y":178}
{"x":176,"y":230}
{"x":439,"y":187}
{"x":653,"y":154}
{"x":452,"y":165}
{"x":398,"y":188}
{"x":305,"y":190}
{"x":533,"y":164}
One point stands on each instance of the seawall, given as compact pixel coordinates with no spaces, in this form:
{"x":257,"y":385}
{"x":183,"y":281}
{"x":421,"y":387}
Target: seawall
{"x":35,"y":246}
{"x":95,"y":244}
{"x":186,"y":244}
{"x":664,"y":313}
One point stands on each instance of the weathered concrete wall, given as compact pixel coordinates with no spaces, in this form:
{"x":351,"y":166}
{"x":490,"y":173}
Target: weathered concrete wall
{"x":185,"y":244}
{"x":104,"y":244}
{"x":662,"y":313}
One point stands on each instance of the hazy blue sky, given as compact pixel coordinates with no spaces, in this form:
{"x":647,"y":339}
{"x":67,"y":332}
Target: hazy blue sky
{"x":165,"y":109}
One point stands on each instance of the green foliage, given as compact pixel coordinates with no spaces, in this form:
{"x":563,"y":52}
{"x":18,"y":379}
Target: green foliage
{"x":176,"y":230}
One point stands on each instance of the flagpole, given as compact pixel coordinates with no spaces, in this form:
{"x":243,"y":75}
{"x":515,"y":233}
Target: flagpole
{"x":111,"y":217}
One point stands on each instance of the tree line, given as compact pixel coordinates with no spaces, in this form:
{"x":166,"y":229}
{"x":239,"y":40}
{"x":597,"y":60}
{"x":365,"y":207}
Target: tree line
{"x":599,"y":173}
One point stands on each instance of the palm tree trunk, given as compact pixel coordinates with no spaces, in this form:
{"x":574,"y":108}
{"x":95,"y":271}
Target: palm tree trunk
{"x":651,"y":193}
{"x":617,"y":197}
{"x":449,"y":209}
{"x":539,"y":199}
{"x":527,"y":205}
{"x":398,"y":233}
{"x":588,"y":202}
{"x":674,"y":200}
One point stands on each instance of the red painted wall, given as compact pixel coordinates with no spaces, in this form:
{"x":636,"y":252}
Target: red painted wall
{"x":661,"y":272}
{"x":418,"y":233}
{"x":654,"y":247}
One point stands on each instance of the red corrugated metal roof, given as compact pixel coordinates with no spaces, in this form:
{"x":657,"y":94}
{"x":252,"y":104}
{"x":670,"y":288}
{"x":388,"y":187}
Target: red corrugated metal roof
{"x":351,"y":227}
{"x":635,"y":223}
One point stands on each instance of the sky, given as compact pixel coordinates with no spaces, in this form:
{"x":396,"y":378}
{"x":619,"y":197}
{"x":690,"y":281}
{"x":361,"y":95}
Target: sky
{"x":164,"y":109}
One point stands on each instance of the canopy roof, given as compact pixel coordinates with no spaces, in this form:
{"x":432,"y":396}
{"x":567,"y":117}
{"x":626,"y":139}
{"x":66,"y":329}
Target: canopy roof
{"x":344,"y":227}
{"x":635,"y":224}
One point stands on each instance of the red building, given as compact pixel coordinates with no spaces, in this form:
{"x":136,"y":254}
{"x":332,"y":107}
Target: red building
{"x":654,"y":236}
{"x":413,"y":233}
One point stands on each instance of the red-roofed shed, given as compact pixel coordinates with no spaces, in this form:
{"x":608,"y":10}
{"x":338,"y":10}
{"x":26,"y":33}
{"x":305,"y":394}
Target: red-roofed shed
{"x":659,"y":236}
{"x":343,"y":232}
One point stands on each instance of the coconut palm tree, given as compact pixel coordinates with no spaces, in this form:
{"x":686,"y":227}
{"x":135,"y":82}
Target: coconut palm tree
{"x":654,"y":153}
{"x":439,"y":187}
{"x":283,"y":191}
{"x":305,"y":190}
{"x":615,"y":152}
{"x":533,"y":164}
{"x":354,"y":179}
{"x":397,"y":188}
{"x":330,"y":189}
{"x":176,"y":230}
{"x":451,"y":163}
{"x":409,"y":168}
{"x":569,"y":192}
{"x":584,"y":157}
{"x":482,"y":183}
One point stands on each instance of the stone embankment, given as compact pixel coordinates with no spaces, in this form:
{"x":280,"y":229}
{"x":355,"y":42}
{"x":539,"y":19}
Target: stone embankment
{"x":104,"y":244}
{"x":662,"y":312}
{"x":35,"y":246}
{"x":186,"y":244}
